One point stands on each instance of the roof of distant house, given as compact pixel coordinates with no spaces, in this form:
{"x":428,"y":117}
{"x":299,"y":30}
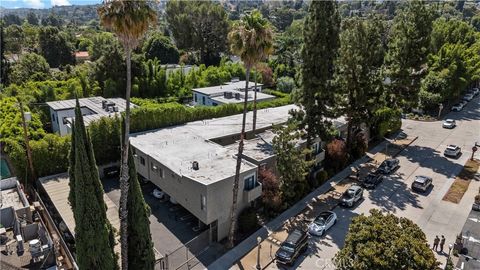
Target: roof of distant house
{"x":81,"y":54}
{"x":237,"y":86}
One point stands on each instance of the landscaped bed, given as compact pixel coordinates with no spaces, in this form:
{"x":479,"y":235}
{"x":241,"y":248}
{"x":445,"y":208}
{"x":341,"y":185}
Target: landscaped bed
{"x":462,"y":181}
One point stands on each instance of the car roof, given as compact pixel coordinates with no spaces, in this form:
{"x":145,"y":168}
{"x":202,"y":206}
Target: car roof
{"x":354,"y":188}
{"x":421,"y":178}
{"x":449,"y":120}
{"x":325,"y":214}
{"x":295,"y":236}
{"x":452,"y":146}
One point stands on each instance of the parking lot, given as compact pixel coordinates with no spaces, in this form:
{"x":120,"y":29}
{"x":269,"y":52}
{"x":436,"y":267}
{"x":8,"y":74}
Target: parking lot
{"x":428,"y":210}
{"x":171,"y":225}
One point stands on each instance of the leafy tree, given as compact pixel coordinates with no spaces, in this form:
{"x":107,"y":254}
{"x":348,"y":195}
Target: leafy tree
{"x":129,"y":20}
{"x":288,"y":50}
{"x":245,"y":42}
{"x":4,"y":65}
{"x":109,"y":71}
{"x":32,"y":18}
{"x":336,"y":155}
{"x":55,"y":47}
{"x":10,"y":19}
{"x":52,"y":20}
{"x":30,"y":40}
{"x":153,"y":80}
{"x":199,"y":26}
{"x":140,"y":245}
{"x":14,"y":37}
{"x":291,"y":160}
{"x":384,"y":241}
{"x":271,"y":195}
{"x":475,"y":21}
{"x":451,"y":31}
{"x":321,"y":41}
{"x":161,"y":47}
{"x":31,"y":66}
{"x":282,"y":17}
{"x":102,"y":43}
{"x":359,"y":77}
{"x":407,"y":51}
{"x":93,"y":244}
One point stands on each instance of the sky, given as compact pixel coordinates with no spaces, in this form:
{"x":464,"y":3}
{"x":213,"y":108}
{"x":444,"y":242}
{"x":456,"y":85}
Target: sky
{"x":44,"y":3}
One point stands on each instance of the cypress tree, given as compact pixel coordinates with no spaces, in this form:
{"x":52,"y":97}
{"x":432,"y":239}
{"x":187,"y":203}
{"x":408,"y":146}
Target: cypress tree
{"x":140,"y":245}
{"x":93,"y":232}
{"x":320,"y":49}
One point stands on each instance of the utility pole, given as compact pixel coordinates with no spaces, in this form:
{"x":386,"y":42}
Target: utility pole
{"x":27,"y":144}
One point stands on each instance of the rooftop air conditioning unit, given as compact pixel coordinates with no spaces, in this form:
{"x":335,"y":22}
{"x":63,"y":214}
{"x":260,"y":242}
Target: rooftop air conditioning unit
{"x":237,"y":95}
{"x":115,"y":108}
{"x":104,"y":104}
{"x":195,"y":165}
{"x":228,"y":95}
{"x":110,"y":109}
{"x":235,"y":79}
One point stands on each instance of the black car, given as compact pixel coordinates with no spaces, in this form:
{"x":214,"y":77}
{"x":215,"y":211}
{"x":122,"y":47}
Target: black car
{"x":388,"y":166}
{"x":295,"y":244}
{"x":372,"y":180}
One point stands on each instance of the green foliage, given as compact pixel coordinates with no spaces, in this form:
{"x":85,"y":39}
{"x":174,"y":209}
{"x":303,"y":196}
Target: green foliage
{"x":55,"y":47}
{"x":161,"y":47}
{"x":105,"y":136}
{"x":384,"y":241}
{"x":288,"y":50}
{"x":408,"y":48}
{"x":14,"y":37}
{"x":152,"y":82}
{"x":102,"y":43}
{"x":321,"y":41}
{"x":31,"y":66}
{"x":291,"y":160}
{"x":199,"y":26}
{"x":140,"y":245}
{"x":451,"y":31}
{"x":320,"y":178}
{"x":285,"y":84}
{"x":93,"y":245}
{"x":386,"y":121}
{"x":4,"y":64}
{"x":247,"y":220}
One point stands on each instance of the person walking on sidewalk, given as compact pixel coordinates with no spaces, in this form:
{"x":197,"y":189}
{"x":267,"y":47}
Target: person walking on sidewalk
{"x":442,"y":243}
{"x":435,"y":242}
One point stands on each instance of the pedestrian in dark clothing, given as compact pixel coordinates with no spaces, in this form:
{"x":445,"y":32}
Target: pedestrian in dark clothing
{"x":442,"y":243}
{"x":435,"y":243}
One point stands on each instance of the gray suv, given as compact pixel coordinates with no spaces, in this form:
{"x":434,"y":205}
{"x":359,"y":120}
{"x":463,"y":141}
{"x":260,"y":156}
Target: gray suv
{"x":353,"y":194}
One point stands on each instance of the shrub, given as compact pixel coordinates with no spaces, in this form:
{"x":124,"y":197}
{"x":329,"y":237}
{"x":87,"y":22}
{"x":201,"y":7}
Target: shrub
{"x":271,"y":195}
{"x":336,"y":155}
{"x":285,"y":84}
{"x":386,"y":121}
{"x":247,"y":220}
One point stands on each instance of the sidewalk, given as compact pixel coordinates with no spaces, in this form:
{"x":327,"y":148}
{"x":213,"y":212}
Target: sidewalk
{"x":325,"y":197}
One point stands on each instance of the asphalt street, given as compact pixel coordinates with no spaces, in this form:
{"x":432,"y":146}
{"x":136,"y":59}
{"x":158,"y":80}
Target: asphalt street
{"x":423,"y":157}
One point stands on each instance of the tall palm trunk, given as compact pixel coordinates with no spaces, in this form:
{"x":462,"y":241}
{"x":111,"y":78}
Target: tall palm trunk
{"x":255,"y":105}
{"x":233,"y":217}
{"x":124,"y":185}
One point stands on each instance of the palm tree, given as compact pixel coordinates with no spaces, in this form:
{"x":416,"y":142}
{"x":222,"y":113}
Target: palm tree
{"x":129,"y":20}
{"x":248,"y":39}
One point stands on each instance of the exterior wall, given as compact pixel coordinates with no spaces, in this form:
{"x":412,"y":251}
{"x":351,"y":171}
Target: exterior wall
{"x":199,"y":100}
{"x":58,"y":125}
{"x":219,"y":201}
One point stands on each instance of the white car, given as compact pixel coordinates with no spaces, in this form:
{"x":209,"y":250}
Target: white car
{"x":458,"y":107}
{"x":452,"y":151}
{"x":468,"y":97}
{"x":157,"y":193}
{"x":449,"y":123}
{"x":322,"y":223}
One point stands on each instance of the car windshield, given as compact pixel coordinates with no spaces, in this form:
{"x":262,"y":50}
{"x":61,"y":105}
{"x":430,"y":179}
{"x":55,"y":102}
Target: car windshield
{"x":288,"y":247}
{"x":319,"y":221}
{"x":449,"y":121}
{"x":452,"y":147}
{"x":349,"y":194}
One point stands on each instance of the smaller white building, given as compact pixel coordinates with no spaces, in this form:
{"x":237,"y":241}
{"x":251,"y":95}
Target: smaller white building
{"x":63,"y":111}
{"x":232,"y":92}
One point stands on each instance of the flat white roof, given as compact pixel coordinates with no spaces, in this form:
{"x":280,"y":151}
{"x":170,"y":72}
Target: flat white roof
{"x":260,"y":97}
{"x":228,"y":87}
{"x":177,"y":147}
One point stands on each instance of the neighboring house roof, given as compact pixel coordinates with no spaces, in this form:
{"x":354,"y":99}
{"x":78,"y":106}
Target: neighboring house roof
{"x":220,"y":89}
{"x":82,"y":54}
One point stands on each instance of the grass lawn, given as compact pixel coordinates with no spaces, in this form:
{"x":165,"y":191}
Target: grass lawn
{"x":460,"y":185}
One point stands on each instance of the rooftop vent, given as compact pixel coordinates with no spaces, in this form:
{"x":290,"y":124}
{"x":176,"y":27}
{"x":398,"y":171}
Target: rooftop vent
{"x":235,"y":79}
{"x":227,"y":94}
{"x":237,"y":95}
{"x":195,"y":165}
{"x":115,"y":108}
{"x":104,"y":104}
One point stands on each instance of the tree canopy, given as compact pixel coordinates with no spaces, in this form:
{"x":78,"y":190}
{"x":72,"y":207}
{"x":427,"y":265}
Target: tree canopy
{"x":161,"y":47}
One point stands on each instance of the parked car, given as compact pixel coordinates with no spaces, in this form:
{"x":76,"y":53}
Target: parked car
{"x":458,"y":107}
{"x":449,"y":123}
{"x":295,"y":244}
{"x":157,"y":193}
{"x":322,"y":223}
{"x":468,"y":97}
{"x":388,"y":166}
{"x":372,"y":180}
{"x":352,"y":195}
{"x":421,"y":183}
{"x":401,"y":136}
{"x":452,"y":151}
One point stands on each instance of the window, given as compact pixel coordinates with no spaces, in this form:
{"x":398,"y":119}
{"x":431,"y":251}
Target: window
{"x":195,"y":97}
{"x":157,"y":169}
{"x":214,"y":104}
{"x":203,"y":101}
{"x":142,"y":161}
{"x":250,"y":182}
{"x":203,"y":202}
{"x":53,"y":117}
{"x":64,"y":120}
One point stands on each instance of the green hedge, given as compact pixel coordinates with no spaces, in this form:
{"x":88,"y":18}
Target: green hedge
{"x":386,"y":121}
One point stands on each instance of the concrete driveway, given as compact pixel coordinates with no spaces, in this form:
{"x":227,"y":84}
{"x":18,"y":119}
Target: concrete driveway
{"x":423,"y":157}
